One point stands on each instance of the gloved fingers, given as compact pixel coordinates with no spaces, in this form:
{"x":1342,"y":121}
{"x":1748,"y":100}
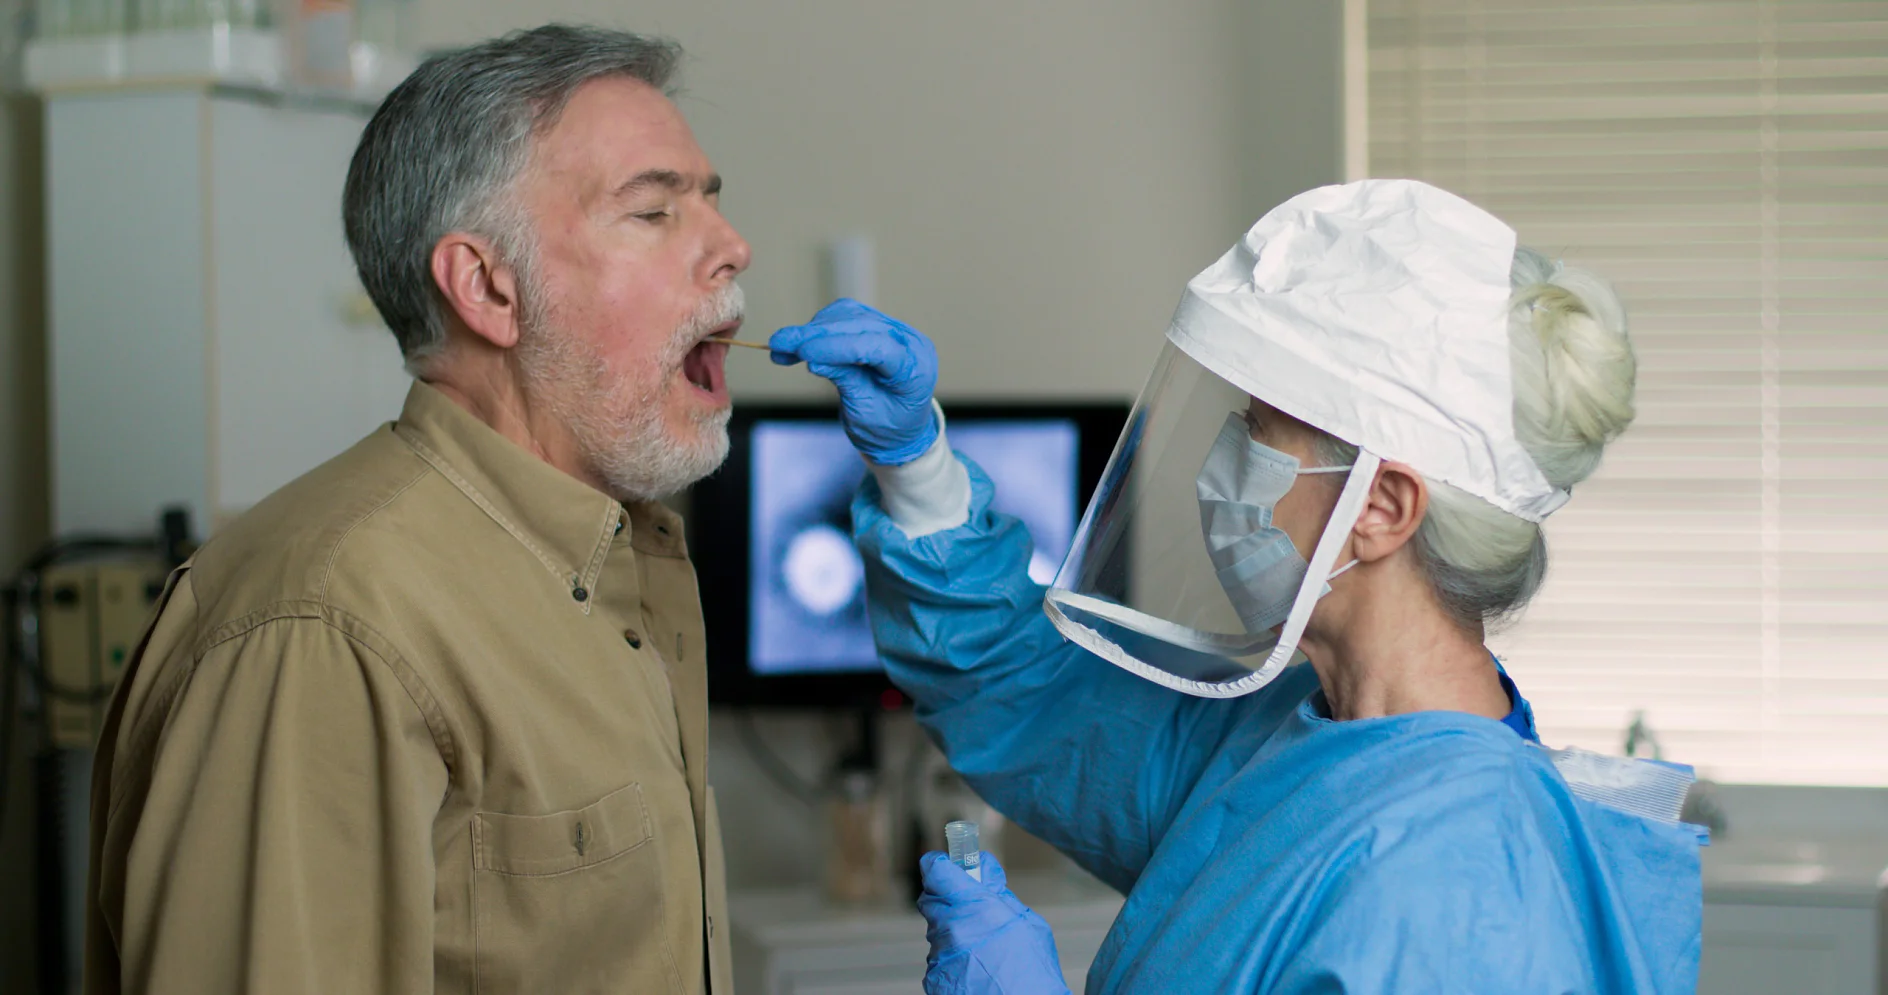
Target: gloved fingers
{"x":948,"y":887}
{"x":785,"y":342}
{"x":940,"y":918}
{"x":961,"y":922}
{"x":877,"y":350}
{"x":994,"y":876}
{"x":946,"y":881}
{"x":849,"y":379}
{"x":859,"y":346}
{"x":847,"y":317}
{"x":844,"y":307}
{"x":944,"y":973}
{"x":917,"y":344}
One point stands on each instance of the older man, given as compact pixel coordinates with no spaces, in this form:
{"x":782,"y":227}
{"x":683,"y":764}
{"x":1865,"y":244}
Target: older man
{"x":434,"y":717}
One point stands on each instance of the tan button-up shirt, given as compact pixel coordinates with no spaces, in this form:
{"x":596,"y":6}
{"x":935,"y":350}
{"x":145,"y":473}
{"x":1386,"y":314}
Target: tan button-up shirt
{"x":431,"y":718}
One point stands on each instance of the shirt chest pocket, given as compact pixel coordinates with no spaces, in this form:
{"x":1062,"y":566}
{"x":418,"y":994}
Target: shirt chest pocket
{"x":571,"y":901}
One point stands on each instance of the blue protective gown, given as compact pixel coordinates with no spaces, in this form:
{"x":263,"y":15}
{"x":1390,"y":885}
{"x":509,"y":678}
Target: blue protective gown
{"x":1262,"y":846}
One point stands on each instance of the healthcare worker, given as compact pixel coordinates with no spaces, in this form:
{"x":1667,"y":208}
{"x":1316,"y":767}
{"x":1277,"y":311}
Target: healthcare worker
{"x":1360,"y":416}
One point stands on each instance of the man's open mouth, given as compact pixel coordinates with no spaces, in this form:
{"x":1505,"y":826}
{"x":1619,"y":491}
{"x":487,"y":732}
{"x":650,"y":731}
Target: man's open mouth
{"x":703,"y":366}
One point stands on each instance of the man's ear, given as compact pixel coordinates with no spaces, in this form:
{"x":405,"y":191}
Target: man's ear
{"x":1398,"y":501}
{"x":479,"y":288}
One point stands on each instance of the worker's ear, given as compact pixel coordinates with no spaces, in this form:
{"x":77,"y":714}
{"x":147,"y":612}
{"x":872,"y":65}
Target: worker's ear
{"x":1394,"y":510}
{"x":479,"y":288}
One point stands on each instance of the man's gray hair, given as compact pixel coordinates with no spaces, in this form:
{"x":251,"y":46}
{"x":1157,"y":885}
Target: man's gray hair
{"x":443,"y":151}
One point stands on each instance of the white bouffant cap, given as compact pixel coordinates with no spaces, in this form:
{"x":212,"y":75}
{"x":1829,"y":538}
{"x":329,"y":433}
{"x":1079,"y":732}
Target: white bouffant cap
{"x":1378,"y":312}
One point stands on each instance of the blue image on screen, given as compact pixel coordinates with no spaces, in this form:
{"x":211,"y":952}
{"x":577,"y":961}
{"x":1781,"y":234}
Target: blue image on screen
{"x":806,"y":583}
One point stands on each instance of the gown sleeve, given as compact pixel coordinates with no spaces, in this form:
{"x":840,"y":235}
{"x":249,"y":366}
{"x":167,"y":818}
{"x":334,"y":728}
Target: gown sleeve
{"x":1090,"y":758}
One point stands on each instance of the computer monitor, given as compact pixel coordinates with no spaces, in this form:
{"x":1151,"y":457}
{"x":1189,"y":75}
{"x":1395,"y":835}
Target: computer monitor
{"x":783,"y":587}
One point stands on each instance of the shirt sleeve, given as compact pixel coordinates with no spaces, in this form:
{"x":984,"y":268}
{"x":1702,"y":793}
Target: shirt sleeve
{"x":1092,"y":759}
{"x":280,"y":839}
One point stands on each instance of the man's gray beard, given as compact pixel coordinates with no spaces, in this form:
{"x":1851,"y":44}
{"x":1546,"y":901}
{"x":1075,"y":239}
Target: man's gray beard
{"x":615,"y":416}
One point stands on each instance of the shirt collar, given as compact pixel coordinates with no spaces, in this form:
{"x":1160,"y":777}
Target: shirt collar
{"x":567,"y":524}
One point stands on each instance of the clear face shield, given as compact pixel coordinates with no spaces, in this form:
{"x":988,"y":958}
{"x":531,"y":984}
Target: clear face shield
{"x":1177,"y":572}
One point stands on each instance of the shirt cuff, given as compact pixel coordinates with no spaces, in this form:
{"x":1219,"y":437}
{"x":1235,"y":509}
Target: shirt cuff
{"x":929,"y":494}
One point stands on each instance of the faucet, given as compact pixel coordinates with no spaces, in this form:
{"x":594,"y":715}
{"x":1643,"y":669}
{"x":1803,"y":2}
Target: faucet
{"x":1702,"y":804}
{"x":1704,"y":808}
{"x":1639,"y":733}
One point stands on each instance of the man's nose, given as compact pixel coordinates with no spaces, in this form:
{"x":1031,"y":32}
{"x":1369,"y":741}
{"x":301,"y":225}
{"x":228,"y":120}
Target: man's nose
{"x":729,"y":254}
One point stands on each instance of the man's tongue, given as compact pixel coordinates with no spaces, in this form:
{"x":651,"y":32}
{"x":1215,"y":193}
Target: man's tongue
{"x":702,"y":366}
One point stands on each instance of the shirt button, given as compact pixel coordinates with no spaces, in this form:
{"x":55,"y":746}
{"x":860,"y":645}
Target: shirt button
{"x":581,"y":594}
{"x":619,"y":526}
{"x":633,"y":638}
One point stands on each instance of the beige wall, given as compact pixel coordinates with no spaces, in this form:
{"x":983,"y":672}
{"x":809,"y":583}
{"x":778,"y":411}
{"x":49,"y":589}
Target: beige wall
{"x":1292,"y":109}
{"x":1041,"y":177}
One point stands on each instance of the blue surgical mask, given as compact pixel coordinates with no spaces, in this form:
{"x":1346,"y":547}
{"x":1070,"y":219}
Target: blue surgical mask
{"x":1239,"y":485}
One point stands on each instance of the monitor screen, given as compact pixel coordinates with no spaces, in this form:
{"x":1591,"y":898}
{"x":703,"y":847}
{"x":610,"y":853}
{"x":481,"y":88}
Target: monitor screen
{"x":806,"y":583}
{"x":783,"y":588}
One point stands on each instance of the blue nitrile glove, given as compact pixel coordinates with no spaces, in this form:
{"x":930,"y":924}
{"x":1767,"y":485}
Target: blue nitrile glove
{"x":983,"y":941}
{"x":885,"y":371}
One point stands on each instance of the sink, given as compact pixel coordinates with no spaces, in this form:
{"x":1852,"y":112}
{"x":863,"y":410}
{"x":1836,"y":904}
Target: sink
{"x":1838,"y":871}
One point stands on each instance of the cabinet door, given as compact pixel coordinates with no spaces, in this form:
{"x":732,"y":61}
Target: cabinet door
{"x":1767,"y":949}
{"x":125,"y":241}
{"x":295,"y":382}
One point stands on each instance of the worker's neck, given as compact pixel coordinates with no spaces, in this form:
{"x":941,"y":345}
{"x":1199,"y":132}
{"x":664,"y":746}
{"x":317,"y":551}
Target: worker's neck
{"x":1391,"y":650}
{"x":488,"y":385}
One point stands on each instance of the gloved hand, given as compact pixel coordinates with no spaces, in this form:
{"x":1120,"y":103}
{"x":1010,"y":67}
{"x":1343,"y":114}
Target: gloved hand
{"x":983,"y":941}
{"x":885,"y":371}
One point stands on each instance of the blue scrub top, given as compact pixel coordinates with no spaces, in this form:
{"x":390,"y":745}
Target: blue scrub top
{"x":1262,"y":846}
{"x":1520,"y":715}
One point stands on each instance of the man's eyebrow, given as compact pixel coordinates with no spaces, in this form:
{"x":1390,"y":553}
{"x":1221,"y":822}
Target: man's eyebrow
{"x":667,"y":179}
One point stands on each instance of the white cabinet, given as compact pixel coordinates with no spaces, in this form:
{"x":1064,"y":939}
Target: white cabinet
{"x":208,"y":342}
{"x":1767,"y":949}
{"x":1796,"y":917}
{"x":1798,"y":913}
{"x":790,"y":942}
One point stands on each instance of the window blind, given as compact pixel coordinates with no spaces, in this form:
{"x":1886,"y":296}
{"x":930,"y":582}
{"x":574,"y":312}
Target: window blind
{"x":1725,"y":163}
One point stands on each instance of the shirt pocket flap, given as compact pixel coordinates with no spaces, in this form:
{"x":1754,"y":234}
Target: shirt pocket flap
{"x":562,"y":841}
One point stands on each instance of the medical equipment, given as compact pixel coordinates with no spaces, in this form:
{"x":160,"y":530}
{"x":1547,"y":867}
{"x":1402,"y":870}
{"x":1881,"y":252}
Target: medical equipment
{"x":965,"y":848}
{"x":74,"y":613}
{"x":762,"y":346}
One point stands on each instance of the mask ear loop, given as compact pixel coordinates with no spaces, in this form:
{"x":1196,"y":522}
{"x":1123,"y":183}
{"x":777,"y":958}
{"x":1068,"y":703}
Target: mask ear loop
{"x":1350,"y":506}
